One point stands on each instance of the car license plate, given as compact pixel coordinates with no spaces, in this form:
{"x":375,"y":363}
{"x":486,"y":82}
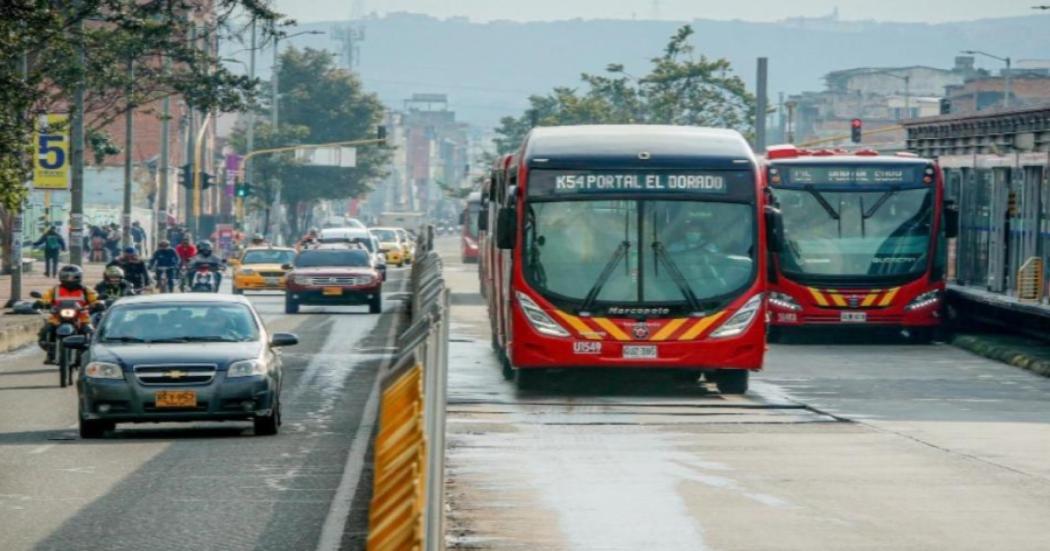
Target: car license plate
{"x":175,"y":399}
{"x":639,"y":352}
{"x":272,"y":280}
{"x":854,"y":317}
{"x":332,"y":291}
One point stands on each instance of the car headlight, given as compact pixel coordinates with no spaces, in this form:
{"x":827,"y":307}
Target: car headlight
{"x":302,"y":280}
{"x":741,"y":320}
{"x":924,"y":300}
{"x":247,"y":271}
{"x":365,"y":280}
{"x":783,"y":301}
{"x":245,"y":368}
{"x":103,"y":370}
{"x":539,"y":319}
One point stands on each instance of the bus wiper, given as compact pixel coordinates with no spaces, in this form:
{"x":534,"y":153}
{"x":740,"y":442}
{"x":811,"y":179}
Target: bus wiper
{"x":676,"y":276}
{"x":607,"y":272}
{"x":823,"y":202}
{"x":878,"y":204}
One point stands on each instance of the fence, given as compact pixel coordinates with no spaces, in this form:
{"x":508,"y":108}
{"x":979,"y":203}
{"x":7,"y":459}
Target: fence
{"x":407,"y":509}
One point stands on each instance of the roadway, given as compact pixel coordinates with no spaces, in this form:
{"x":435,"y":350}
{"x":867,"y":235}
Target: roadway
{"x":840,"y":445}
{"x":206,"y":485}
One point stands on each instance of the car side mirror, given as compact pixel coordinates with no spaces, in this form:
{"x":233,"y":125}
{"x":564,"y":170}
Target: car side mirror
{"x":75,"y":342}
{"x":774,"y":228}
{"x":35,"y":294}
{"x":286,"y":267}
{"x":506,"y":224}
{"x":951,"y":220}
{"x":278,"y":340}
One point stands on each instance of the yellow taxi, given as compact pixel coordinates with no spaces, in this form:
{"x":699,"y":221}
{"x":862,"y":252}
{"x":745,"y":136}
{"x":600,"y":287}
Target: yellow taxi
{"x":408,"y":245}
{"x":262,"y":269}
{"x":390,"y":245}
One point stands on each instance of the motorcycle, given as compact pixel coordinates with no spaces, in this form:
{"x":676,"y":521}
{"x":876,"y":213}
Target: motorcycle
{"x":67,"y":313}
{"x":204,"y":280}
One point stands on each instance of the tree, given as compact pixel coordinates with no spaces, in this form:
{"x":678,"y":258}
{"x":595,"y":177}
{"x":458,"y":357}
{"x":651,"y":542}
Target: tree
{"x":679,"y":89}
{"x":319,"y":103}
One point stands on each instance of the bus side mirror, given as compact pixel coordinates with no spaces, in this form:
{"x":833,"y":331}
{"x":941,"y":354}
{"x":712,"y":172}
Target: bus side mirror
{"x":483,"y":220}
{"x":951,"y":220}
{"x":774,"y":228}
{"x":505,"y":227}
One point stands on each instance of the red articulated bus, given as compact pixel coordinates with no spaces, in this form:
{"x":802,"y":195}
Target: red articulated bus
{"x":863,"y":240}
{"x":630,"y":247}
{"x":469,"y":221}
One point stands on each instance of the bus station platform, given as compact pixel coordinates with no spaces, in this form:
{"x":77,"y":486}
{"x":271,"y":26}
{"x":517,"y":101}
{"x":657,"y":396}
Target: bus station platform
{"x":967,"y":304}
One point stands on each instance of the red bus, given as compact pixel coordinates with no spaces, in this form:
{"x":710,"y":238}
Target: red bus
{"x":631,"y":247}
{"x":469,"y":234}
{"x":863,"y":240}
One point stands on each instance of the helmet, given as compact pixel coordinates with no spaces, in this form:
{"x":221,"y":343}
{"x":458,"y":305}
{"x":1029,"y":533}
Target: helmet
{"x":313,"y":231}
{"x":71,"y":276}
{"x":204,"y":247}
{"x":113,"y":274}
{"x":130,"y":250}
{"x":164,"y":244}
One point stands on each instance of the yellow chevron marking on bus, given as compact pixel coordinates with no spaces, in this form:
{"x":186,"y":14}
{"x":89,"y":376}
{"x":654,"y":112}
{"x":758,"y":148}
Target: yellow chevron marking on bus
{"x":612,"y":329}
{"x":888,"y":298}
{"x":699,"y":327}
{"x":870,"y":299}
{"x":582,"y":328}
{"x":821,"y":301}
{"x":838,"y":298}
{"x":669,"y":329}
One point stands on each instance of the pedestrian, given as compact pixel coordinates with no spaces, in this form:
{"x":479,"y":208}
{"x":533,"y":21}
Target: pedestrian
{"x":175,"y":234}
{"x":98,"y":244}
{"x":53,"y":246}
{"x":138,"y":236}
{"x":113,"y":241}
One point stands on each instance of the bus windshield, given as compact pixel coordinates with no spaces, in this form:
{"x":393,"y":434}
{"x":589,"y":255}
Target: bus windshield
{"x":686,"y":255}
{"x":855,"y":233}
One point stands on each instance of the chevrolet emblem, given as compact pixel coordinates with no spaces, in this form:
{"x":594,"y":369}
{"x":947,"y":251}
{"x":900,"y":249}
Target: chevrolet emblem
{"x":176,"y":374}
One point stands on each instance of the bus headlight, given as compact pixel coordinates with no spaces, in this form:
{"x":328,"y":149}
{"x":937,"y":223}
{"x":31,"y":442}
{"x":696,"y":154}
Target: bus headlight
{"x":784,"y":301}
{"x":741,"y":320}
{"x":924,"y":300}
{"x":539,"y":319}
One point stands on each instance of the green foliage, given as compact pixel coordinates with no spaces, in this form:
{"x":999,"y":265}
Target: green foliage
{"x":680,"y":89}
{"x":319,"y":103}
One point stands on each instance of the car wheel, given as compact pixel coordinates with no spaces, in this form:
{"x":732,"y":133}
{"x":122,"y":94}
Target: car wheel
{"x":94,"y":428}
{"x":732,"y":381}
{"x":268,"y":425}
{"x":291,"y":306}
{"x":375,"y":305}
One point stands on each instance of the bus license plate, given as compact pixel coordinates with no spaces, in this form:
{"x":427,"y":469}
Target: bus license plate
{"x":639,"y":352}
{"x":854,"y":317}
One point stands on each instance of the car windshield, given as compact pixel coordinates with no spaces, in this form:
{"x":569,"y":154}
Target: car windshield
{"x":669,"y":253}
{"x":268,"y":256}
{"x":179,"y":322}
{"x":386,"y":236}
{"x":881,"y":232}
{"x":355,"y":258}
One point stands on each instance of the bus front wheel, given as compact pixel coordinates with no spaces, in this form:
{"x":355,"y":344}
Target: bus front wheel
{"x":529,"y":379}
{"x":731,"y":381}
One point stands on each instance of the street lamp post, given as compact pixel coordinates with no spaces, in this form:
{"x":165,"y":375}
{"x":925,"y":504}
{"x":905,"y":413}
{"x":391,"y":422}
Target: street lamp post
{"x":1007,"y":89}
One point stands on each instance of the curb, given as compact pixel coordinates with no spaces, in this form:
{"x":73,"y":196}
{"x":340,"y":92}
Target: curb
{"x":1005,"y":354}
{"x":17,"y":333}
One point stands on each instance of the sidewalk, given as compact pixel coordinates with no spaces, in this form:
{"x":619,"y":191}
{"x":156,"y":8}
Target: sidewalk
{"x":35,"y":280}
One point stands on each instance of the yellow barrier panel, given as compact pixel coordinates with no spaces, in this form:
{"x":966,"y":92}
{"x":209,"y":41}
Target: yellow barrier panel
{"x":395,"y":516}
{"x":1030,"y":280}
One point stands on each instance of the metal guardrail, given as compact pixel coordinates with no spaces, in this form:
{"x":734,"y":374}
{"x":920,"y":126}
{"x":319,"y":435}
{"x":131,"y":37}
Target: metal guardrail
{"x":407,"y":509}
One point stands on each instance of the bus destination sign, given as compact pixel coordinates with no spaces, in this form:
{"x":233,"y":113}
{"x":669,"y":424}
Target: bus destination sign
{"x":851,"y":175}
{"x":556,"y":183}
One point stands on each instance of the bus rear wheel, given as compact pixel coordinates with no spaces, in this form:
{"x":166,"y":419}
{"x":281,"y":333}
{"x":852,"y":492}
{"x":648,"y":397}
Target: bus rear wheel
{"x":731,"y":381}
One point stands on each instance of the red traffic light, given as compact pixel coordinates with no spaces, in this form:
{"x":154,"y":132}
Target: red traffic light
{"x":856,"y":123}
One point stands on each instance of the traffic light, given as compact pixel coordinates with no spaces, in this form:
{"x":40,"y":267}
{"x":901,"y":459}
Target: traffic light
{"x":856,"y":127}
{"x":186,"y":176}
{"x":244,"y":189}
{"x":205,"y":180}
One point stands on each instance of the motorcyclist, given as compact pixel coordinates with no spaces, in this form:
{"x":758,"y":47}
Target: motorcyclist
{"x":205,"y":256}
{"x":70,"y":287}
{"x":165,"y":261}
{"x":185,"y":250}
{"x":135,"y":271}
{"x":113,"y":285}
{"x":310,"y":239}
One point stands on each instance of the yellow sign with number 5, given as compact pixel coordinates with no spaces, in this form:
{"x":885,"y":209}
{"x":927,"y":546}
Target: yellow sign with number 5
{"x":51,"y":152}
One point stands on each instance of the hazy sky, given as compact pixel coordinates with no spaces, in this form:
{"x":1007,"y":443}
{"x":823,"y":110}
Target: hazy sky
{"x":751,"y":10}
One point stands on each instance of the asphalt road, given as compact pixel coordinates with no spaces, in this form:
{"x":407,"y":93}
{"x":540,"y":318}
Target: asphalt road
{"x":206,"y":485}
{"x":842,"y":444}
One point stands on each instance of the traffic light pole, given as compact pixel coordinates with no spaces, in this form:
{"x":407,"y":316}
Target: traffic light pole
{"x":198,"y":153}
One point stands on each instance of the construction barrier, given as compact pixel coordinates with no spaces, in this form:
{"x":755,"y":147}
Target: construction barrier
{"x":407,"y":511}
{"x":1030,"y":280}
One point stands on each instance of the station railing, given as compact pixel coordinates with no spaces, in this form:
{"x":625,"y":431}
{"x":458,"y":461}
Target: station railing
{"x":407,"y":508}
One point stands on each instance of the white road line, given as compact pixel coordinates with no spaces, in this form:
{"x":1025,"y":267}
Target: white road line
{"x":41,"y":449}
{"x":339,"y":511}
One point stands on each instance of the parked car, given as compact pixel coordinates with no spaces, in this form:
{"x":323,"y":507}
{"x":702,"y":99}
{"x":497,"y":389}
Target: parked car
{"x":262,"y":269}
{"x":334,"y":274}
{"x":180,"y":357}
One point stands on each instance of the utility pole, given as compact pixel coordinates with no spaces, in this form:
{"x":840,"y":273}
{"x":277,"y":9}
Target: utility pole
{"x":19,"y":218}
{"x":129,"y":120}
{"x":791,"y":105}
{"x":76,"y":138}
{"x":165,"y":161}
{"x":251,"y":125}
{"x":761,"y":108}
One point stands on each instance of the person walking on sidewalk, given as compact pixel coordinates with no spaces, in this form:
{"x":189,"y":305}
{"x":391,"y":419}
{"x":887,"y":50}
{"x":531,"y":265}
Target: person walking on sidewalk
{"x":53,"y":245}
{"x":138,"y":235}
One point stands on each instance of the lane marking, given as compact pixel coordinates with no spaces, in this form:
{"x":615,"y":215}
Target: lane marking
{"x":41,"y":449}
